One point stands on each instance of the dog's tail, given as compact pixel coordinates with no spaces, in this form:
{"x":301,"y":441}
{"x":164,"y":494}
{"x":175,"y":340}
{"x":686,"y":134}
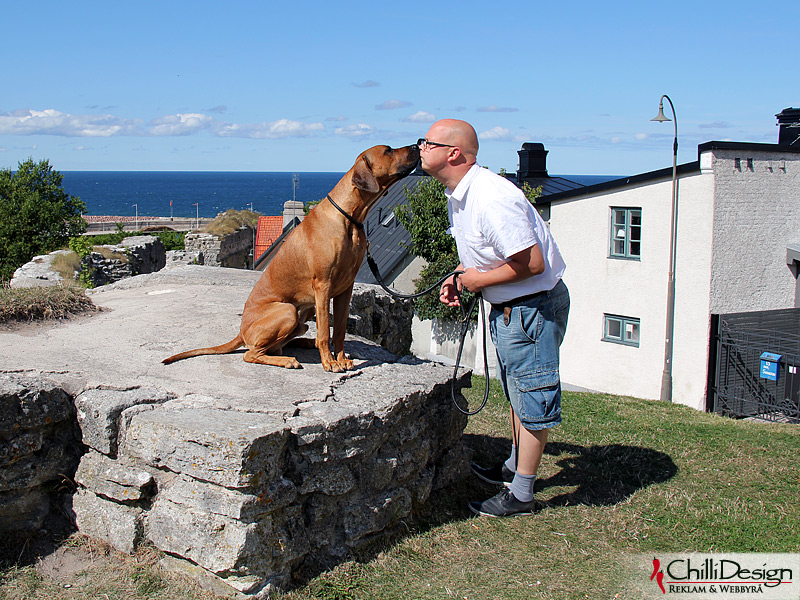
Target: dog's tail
{"x":238,"y":342}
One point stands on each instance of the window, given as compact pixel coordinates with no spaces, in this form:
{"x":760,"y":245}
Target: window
{"x":621,"y":330}
{"x":626,"y":233}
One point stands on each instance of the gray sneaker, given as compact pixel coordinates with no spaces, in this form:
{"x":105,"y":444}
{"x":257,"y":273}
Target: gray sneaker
{"x":503,"y":504}
{"x":499,"y":474}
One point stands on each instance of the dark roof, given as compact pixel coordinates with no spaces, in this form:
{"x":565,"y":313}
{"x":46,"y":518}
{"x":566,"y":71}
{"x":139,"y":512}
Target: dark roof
{"x":623,"y":181}
{"x":388,"y":240}
{"x":665,"y":173}
{"x":550,"y":185}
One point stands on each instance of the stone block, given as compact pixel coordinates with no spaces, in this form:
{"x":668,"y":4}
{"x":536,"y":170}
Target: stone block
{"x":232,"y":449}
{"x":116,"y":524}
{"x":23,"y":510}
{"x":114,"y":479}
{"x":99,"y":412}
{"x":234,"y":504}
{"x":31,"y":403}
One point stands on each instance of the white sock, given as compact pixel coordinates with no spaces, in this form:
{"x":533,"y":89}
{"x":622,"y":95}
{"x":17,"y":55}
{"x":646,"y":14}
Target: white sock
{"x":511,"y":461}
{"x":522,"y":487}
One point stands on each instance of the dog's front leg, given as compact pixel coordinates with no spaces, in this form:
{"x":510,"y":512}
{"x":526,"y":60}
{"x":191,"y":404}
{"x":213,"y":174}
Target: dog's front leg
{"x":341,"y":311}
{"x":322,"y":299}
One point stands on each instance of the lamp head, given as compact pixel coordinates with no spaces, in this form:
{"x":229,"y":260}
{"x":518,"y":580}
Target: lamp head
{"x":661,"y":117}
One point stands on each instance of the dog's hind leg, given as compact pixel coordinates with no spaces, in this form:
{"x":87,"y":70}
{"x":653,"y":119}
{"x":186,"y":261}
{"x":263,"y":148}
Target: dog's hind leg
{"x":265,"y":337}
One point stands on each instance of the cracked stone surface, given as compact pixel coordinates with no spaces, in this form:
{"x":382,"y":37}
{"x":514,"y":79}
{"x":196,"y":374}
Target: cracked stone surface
{"x":229,"y":465}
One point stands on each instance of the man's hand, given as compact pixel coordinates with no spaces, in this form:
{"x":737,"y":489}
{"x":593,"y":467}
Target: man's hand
{"x":447,"y":293}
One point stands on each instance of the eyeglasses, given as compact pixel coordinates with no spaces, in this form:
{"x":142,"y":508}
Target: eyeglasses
{"x":422,"y":143}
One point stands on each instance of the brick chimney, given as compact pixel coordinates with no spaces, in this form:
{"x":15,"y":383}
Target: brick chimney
{"x":532,"y":161}
{"x":789,"y":123}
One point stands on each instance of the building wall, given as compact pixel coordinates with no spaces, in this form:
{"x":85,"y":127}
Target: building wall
{"x":600,"y":285}
{"x":757,"y":216}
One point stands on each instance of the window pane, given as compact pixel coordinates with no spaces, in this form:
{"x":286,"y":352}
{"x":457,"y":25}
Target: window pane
{"x":636,"y":249}
{"x":613,"y":328}
{"x":632,"y":332}
{"x":619,"y":217}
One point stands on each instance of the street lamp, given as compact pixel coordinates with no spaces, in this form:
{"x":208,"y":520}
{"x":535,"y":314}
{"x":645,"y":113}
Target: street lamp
{"x":197,"y":218}
{"x":136,"y":206}
{"x":666,"y":377}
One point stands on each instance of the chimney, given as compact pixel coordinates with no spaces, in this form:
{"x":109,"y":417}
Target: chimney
{"x":532,"y":161}
{"x":292,"y":209}
{"x":789,"y":123}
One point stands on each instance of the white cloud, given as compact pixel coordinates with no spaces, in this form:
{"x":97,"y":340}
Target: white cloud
{"x":367,"y":84}
{"x":282,"y":128}
{"x":641,"y":136}
{"x":420,"y":117}
{"x":180,"y":124}
{"x":354,"y":131}
{"x":497,"y":133}
{"x":392,"y":105}
{"x":338,"y":119}
{"x":53,"y":122}
{"x":493,"y":108}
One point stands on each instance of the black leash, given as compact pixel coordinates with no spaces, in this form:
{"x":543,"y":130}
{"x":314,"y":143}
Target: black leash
{"x":465,"y":314}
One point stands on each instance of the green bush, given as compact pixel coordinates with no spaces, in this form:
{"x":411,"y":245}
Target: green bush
{"x":36,"y":215}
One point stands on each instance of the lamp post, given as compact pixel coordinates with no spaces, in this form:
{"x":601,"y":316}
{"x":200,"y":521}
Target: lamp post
{"x":197,"y":218}
{"x":136,"y":228}
{"x":666,"y":377}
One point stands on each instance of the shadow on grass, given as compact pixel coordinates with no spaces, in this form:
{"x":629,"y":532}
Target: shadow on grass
{"x":593,"y":475}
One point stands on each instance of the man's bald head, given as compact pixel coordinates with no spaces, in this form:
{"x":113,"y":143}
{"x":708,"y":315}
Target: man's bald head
{"x":456,"y":133}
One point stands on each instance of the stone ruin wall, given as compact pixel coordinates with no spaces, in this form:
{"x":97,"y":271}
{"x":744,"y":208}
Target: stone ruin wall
{"x":259,"y":501}
{"x":233,"y":250}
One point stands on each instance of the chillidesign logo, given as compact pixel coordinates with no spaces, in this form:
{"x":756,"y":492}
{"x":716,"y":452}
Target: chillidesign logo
{"x":708,"y":576}
{"x":658,"y":575}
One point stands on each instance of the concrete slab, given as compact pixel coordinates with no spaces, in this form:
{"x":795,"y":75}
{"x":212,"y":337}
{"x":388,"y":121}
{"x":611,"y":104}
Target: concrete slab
{"x":149,"y":317}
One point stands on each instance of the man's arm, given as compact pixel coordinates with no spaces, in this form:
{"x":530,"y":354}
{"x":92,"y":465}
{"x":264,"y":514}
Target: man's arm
{"x":523,"y":264}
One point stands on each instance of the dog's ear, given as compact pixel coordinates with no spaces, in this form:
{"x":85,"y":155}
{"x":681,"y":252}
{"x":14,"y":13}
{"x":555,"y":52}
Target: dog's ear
{"x":363,"y":178}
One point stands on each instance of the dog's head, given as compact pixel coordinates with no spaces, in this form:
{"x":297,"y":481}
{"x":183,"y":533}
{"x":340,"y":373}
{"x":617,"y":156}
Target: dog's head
{"x":380,"y":166}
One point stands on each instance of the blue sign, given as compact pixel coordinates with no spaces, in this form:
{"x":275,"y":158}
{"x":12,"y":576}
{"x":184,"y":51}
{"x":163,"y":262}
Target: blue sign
{"x":769,"y":365}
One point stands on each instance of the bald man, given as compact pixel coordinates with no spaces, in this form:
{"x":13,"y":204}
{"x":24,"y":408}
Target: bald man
{"x":507,"y":253}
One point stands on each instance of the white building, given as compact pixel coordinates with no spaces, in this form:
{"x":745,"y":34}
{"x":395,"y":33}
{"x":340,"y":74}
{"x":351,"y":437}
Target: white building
{"x":737,"y":238}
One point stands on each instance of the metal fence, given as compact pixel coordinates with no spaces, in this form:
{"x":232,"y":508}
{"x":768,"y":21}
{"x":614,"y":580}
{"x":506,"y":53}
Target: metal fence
{"x":749,"y":383}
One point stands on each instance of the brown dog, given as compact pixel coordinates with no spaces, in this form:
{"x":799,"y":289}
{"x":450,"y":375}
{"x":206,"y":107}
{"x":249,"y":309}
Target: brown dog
{"x":317,"y":263}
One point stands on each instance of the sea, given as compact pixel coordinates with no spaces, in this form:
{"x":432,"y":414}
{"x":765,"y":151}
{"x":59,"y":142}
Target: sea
{"x":204,"y":193}
{"x":175,"y":193}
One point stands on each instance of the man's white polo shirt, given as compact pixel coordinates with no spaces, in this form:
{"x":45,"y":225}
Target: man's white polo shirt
{"x":491,"y":221}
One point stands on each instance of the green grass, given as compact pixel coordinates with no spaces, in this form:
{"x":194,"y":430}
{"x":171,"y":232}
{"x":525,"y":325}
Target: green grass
{"x":620,"y":476}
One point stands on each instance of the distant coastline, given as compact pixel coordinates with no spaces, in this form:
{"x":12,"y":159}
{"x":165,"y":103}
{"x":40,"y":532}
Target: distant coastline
{"x":204,"y":194}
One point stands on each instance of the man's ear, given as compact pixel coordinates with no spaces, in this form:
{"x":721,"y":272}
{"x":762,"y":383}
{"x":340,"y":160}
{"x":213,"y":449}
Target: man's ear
{"x":363,"y":178}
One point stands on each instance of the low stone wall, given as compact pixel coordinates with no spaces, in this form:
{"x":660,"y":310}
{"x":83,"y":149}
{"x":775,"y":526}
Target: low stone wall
{"x":233,"y":250}
{"x":255,"y":499}
{"x":139,"y":255}
{"x":136,"y":255}
{"x":259,"y":475}
{"x":379,"y":317}
{"x":39,"y":450}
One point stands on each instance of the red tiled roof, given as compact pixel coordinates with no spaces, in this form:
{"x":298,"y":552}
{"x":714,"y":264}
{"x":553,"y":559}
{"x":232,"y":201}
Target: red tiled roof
{"x":269,"y":230}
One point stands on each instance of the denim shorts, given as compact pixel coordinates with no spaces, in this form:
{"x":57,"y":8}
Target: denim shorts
{"x":528,"y":355}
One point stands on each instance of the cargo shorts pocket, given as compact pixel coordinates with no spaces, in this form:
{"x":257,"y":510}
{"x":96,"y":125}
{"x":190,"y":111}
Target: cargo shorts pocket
{"x":538,"y":399}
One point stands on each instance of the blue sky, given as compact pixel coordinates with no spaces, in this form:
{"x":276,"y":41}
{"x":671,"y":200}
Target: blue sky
{"x":280,"y":86}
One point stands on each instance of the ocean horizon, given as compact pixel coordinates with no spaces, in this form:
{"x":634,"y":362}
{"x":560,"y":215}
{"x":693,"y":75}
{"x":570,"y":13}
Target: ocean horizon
{"x":189,"y":194}
{"x":175,"y":193}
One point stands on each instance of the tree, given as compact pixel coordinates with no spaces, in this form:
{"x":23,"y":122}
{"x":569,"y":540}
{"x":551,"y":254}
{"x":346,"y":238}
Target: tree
{"x":425,"y":218}
{"x":36,"y":215}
